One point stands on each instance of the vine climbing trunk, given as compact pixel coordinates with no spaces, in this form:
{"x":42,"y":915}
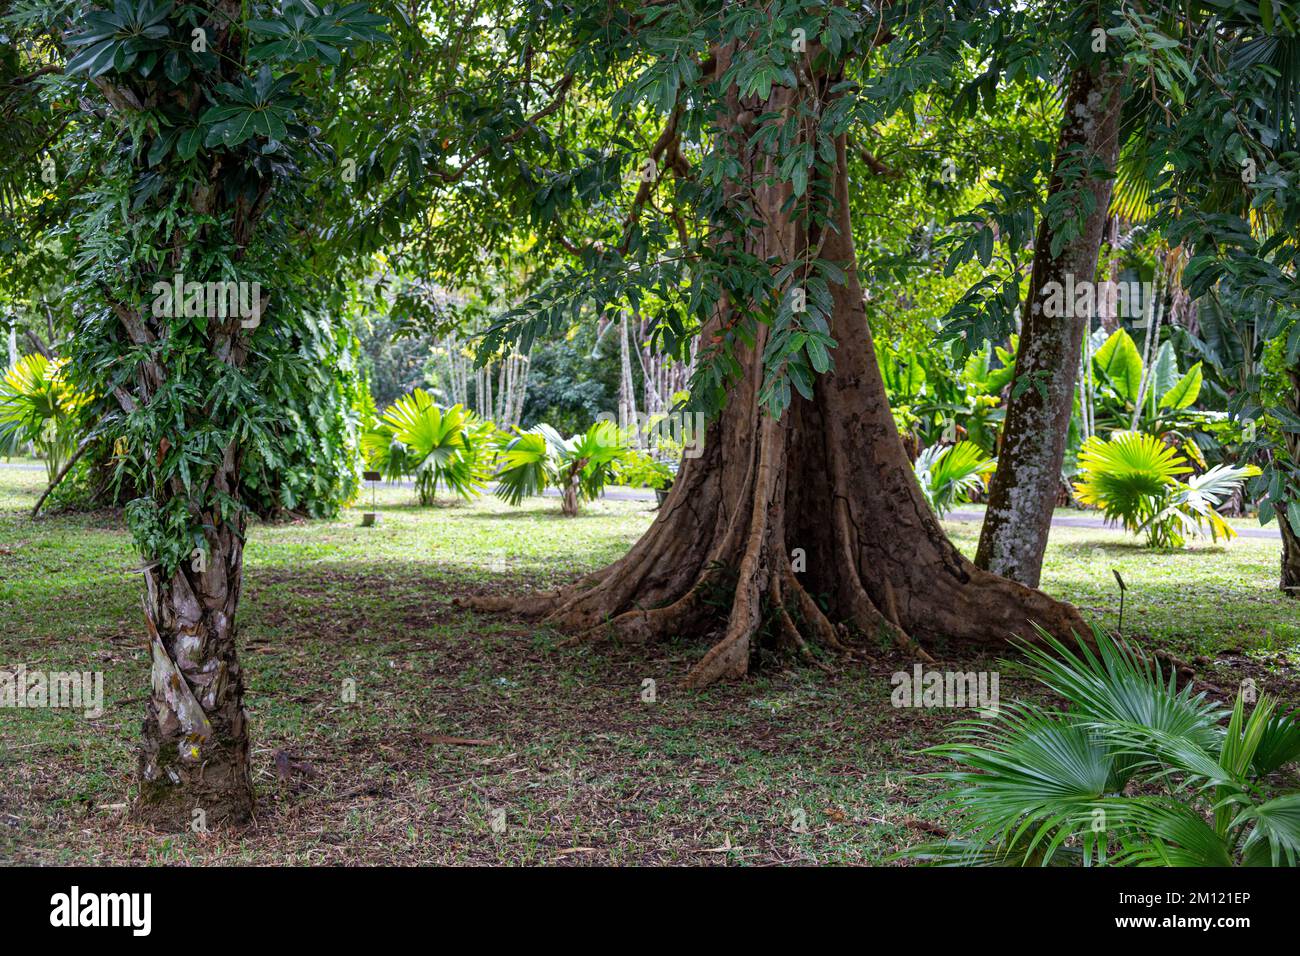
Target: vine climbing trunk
{"x":193,"y":764}
{"x":1024,"y":487}
{"x":812,"y":525}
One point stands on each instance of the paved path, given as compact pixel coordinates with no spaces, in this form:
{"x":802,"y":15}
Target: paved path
{"x":616,"y":493}
{"x":1087,"y":521}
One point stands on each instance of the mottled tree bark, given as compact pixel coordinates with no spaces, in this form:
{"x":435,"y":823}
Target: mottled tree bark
{"x":821,"y":502}
{"x":195,"y":751}
{"x":1290,"y":580}
{"x":194,"y":754}
{"x":1024,"y":487}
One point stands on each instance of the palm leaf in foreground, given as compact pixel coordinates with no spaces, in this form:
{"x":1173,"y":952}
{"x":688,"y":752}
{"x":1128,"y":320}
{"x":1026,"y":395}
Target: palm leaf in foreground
{"x":1135,"y":771}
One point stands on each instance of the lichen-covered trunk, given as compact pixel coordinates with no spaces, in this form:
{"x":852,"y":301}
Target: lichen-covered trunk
{"x":1024,"y":487}
{"x":821,"y":502}
{"x":1290,"y":579}
{"x":195,"y":750}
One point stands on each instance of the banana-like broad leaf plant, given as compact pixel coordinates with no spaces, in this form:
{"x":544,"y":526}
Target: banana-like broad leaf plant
{"x":1166,"y":409}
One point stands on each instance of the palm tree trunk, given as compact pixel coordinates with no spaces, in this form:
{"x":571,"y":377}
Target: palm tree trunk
{"x":569,"y":492}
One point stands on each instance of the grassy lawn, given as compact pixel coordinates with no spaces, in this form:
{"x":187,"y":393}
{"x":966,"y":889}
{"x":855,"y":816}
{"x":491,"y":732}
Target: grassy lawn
{"x":584,"y":769}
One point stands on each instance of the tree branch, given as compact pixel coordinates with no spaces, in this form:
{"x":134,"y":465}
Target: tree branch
{"x":35,"y":74}
{"x":63,"y":472}
{"x":561,"y":91}
{"x":37,"y":344}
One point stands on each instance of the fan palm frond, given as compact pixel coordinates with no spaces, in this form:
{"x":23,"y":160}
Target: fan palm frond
{"x":38,"y":404}
{"x":1134,"y":772}
{"x":1115,"y":684}
{"x":539,"y":458}
{"x":1127,"y":476}
{"x":437,"y":447}
{"x":950,"y":475}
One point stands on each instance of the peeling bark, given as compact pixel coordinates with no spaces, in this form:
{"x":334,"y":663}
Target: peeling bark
{"x":195,"y":750}
{"x":830,"y":477}
{"x":1032,"y":448}
{"x":194,"y":755}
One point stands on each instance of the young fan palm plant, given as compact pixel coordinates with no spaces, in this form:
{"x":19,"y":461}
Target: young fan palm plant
{"x":446,"y":447}
{"x":1134,"y":772}
{"x":38,"y":405}
{"x":950,"y":474}
{"x":1133,"y":479}
{"x":579,"y":466}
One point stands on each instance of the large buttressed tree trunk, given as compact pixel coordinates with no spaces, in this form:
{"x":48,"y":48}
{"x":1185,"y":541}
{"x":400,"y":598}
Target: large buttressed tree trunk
{"x":811,"y":526}
{"x":1024,"y":487}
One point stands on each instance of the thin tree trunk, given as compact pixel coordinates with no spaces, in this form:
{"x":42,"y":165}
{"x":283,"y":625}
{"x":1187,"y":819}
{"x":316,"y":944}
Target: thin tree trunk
{"x":195,"y":752}
{"x":1108,"y":306}
{"x":1290,"y":580}
{"x":1089,"y":396}
{"x":507,"y":389}
{"x":49,"y":320}
{"x":63,"y":471}
{"x":455,"y":379}
{"x":1032,"y":448}
{"x":1154,"y":317}
{"x":627,"y":385}
{"x":829,"y":479}
{"x":515,"y":368}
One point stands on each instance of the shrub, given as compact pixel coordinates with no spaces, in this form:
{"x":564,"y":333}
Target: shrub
{"x":447,"y":447}
{"x":638,"y":470}
{"x":1135,"y":771}
{"x":39,"y":405}
{"x":1133,"y":479}
{"x":950,"y":474}
{"x":580,"y":466}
